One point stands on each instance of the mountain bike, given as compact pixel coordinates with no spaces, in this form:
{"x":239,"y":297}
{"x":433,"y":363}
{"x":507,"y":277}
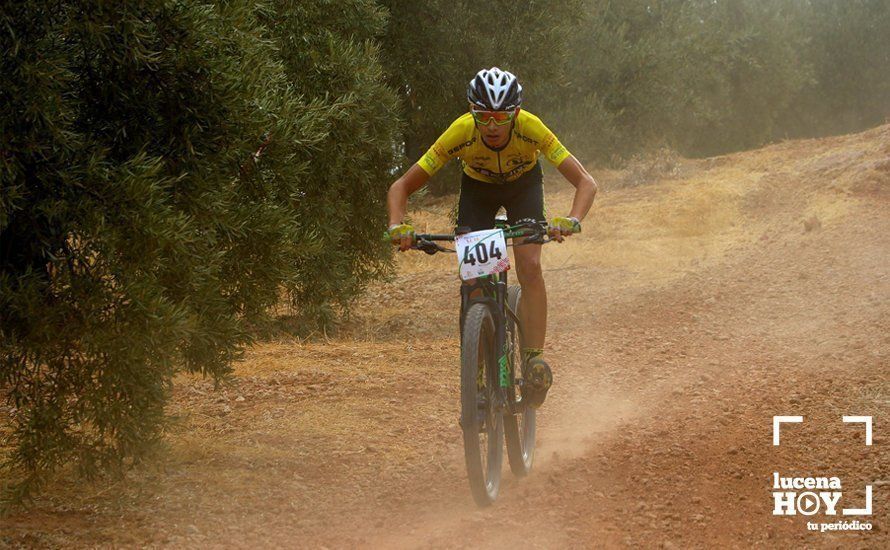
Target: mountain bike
{"x":492,"y":405}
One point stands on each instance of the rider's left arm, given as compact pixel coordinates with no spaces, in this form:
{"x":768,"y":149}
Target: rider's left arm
{"x":585,"y":186}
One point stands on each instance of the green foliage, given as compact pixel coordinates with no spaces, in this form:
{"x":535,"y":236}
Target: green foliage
{"x":850,"y":58}
{"x":614,"y":97}
{"x":332,"y":60}
{"x":139,"y":235}
{"x":617,"y":78}
{"x":614,"y":78}
{"x":707,"y":77}
{"x":738,"y":65}
{"x":700,"y":76}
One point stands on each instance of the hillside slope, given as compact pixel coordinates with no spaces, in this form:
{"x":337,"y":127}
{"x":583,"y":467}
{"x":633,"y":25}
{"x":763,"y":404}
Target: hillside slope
{"x":689,"y":312}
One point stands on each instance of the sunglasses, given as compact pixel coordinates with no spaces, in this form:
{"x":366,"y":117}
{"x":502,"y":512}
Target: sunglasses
{"x":500,"y":117}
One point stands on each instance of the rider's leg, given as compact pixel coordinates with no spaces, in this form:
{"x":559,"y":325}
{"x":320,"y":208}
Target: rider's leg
{"x":527,"y":203}
{"x":533,"y":316}
{"x":533,"y":310}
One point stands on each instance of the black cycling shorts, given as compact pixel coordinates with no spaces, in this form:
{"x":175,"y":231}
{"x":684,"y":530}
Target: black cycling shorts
{"x":480,"y":201}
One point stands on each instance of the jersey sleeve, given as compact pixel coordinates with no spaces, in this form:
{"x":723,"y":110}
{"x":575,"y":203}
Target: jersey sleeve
{"x":446,"y":147}
{"x":553,"y":150}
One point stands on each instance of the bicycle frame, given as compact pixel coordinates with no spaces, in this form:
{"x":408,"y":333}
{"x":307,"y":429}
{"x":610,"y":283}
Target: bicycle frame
{"x":493,"y":293}
{"x":493,"y":406}
{"x":491,"y":290}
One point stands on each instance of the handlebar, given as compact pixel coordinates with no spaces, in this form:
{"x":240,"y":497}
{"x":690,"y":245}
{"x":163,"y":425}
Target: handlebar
{"x":535,"y":233}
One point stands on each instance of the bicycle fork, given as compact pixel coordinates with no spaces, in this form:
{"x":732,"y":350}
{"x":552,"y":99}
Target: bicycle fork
{"x":494,"y":295}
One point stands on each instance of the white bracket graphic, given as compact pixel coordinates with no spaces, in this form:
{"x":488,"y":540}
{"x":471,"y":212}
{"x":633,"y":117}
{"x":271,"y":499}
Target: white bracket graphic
{"x":861,"y":511}
{"x":778,"y":420}
{"x":862,"y":420}
{"x":867,"y":420}
{"x":867,"y":510}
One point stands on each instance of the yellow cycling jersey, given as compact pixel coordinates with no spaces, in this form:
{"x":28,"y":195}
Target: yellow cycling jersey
{"x":462,"y":139}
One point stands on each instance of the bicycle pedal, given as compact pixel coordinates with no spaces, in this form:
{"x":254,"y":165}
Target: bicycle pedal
{"x":538,"y":379}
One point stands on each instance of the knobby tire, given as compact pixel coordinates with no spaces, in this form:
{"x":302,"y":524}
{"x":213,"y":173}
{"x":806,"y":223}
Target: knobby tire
{"x":519,"y":429}
{"x":484,"y":456}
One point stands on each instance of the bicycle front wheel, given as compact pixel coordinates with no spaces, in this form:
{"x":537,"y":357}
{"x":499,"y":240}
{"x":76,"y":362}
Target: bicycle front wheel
{"x":482,"y":422}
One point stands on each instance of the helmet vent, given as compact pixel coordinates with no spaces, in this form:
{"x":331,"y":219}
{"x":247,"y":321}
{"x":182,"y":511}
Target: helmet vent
{"x":495,"y":90}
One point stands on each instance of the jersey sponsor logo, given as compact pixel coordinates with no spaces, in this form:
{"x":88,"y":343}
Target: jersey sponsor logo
{"x":525,"y":138}
{"x":558,"y":152}
{"x":456,"y":149}
{"x":516,"y":161}
{"x":502,"y":176}
{"x":430,"y":163}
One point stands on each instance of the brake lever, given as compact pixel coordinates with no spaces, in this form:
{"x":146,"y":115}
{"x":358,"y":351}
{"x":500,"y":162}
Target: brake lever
{"x":430,"y":247}
{"x":538,"y":238}
{"x":426,"y":246}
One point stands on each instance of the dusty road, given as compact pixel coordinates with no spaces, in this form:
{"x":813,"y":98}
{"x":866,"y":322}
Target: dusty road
{"x":690,"y":311}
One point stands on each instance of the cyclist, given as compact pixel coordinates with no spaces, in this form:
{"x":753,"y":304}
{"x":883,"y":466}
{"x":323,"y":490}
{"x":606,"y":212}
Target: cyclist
{"x":498,"y":144}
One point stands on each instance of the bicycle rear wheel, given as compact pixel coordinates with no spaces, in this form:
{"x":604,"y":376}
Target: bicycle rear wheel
{"x":519,"y":429}
{"x":482,"y":423}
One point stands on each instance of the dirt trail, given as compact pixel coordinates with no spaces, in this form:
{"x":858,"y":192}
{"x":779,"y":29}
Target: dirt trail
{"x":689,"y":312}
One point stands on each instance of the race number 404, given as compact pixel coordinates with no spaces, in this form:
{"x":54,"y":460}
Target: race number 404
{"x":482,"y":253}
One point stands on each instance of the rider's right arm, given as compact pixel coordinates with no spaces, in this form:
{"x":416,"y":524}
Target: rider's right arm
{"x":444,"y":149}
{"x":401,"y":189}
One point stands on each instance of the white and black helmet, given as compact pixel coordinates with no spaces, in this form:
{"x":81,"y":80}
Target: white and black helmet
{"x":495,"y":90}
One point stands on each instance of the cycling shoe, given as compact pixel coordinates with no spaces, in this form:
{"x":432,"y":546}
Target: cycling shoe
{"x":538,"y":379}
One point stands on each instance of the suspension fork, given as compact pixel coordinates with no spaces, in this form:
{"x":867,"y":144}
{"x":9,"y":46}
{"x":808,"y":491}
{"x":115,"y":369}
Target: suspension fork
{"x":466,"y":290}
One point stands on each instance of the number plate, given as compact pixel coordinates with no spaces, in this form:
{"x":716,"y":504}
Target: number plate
{"x":482,"y":253}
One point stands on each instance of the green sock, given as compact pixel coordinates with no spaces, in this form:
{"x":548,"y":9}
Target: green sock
{"x":530,"y":353}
